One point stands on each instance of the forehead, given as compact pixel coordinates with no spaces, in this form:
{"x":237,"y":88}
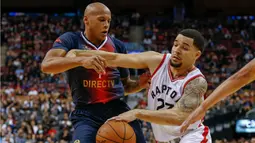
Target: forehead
{"x":101,"y":13}
{"x":183,"y":39}
{"x":107,"y":16}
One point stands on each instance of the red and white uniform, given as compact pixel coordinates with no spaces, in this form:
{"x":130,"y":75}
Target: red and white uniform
{"x":163,"y":94}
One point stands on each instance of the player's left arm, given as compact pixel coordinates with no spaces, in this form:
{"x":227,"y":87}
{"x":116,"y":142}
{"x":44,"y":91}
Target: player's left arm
{"x":190,"y":100}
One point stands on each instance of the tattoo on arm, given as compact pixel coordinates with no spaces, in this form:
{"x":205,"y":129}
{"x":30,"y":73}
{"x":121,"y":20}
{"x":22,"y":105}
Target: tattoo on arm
{"x":192,"y":96}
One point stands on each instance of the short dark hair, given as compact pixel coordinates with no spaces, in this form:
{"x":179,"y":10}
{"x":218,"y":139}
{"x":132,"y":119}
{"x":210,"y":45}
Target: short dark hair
{"x":199,"y":40}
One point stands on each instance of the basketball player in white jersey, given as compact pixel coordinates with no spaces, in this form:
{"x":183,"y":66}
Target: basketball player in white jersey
{"x":177,"y":87}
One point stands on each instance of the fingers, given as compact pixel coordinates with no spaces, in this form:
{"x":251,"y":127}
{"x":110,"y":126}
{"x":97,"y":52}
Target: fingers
{"x":100,"y":63}
{"x":113,"y":118}
{"x":101,"y":60}
{"x":96,"y":62}
{"x":116,"y":118}
{"x":98,"y":68}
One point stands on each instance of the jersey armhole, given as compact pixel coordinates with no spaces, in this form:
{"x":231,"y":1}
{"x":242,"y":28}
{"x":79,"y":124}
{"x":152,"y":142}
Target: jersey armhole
{"x":160,"y":64}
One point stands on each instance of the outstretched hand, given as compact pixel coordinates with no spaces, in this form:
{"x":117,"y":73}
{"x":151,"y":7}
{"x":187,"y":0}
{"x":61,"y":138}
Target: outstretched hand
{"x":97,"y":63}
{"x":128,"y":116}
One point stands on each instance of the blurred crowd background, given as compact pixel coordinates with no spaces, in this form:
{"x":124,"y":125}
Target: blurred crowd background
{"x":34,"y":106}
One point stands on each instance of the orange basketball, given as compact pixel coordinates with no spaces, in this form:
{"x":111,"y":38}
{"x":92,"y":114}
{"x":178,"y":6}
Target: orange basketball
{"x":116,"y":132}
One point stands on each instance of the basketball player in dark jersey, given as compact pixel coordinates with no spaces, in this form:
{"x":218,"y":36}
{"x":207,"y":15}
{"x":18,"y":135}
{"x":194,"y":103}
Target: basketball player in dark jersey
{"x":96,"y":90}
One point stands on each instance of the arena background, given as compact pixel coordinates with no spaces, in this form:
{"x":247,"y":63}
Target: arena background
{"x":35,"y":106}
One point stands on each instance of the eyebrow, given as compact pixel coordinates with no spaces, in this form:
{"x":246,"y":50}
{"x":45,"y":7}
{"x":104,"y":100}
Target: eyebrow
{"x":183,"y":43}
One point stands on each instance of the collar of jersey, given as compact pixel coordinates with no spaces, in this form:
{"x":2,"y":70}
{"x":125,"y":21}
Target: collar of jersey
{"x":91,"y":44}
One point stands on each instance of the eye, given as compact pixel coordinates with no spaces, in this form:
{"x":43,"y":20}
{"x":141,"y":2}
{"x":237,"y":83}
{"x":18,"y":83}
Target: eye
{"x":186,"y":48}
{"x":101,"y":19}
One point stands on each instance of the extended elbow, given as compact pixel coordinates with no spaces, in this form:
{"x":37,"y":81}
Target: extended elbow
{"x":44,"y":68}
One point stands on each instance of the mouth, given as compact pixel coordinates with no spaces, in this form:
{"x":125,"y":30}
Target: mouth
{"x":104,"y":33}
{"x":174,"y":57}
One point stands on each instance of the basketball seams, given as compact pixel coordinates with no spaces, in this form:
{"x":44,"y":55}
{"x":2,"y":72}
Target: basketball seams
{"x":107,"y":138}
{"x":130,"y":136}
{"x":125,"y":133}
{"x":114,"y":130}
{"x":121,"y":128}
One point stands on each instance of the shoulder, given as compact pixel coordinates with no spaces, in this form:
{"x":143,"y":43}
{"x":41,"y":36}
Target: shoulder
{"x":67,"y":41}
{"x":153,"y":60}
{"x":192,"y":96}
{"x":70,"y":35}
{"x":197,"y":84}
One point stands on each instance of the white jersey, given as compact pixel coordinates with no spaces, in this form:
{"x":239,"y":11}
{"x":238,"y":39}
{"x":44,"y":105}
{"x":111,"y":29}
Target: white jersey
{"x":164,"y":93}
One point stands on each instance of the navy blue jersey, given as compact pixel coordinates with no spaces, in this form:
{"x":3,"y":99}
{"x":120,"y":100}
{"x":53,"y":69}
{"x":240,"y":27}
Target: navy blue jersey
{"x":86,"y":85}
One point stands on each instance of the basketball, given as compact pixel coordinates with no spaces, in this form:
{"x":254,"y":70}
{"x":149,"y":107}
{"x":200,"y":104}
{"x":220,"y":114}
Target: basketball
{"x":116,"y":132}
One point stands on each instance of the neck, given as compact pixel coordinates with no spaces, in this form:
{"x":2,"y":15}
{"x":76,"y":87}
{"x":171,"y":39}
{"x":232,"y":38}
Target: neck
{"x":92,"y":38}
{"x":178,"y":72}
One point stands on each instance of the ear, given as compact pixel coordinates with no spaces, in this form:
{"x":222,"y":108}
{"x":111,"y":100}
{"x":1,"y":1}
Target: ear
{"x":198,"y":54}
{"x":85,"y":20}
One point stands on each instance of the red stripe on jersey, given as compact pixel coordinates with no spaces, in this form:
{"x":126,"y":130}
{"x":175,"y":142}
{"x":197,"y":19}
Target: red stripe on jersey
{"x":205,"y":133}
{"x":163,"y":59}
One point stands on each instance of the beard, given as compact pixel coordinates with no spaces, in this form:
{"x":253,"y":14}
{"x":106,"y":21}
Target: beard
{"x":176,"y":65}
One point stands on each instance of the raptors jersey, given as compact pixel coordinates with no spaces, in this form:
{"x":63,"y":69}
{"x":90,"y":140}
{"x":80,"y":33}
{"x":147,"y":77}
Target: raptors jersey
{"x":164,"y":93}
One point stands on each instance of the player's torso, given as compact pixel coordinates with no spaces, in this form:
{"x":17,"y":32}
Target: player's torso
{"x":86,"y":85}
{"x":165,"y":92}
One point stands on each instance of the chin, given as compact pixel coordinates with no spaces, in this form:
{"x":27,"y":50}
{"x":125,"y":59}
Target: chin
{"x":174,"y":64}
{"x":103,"y":38}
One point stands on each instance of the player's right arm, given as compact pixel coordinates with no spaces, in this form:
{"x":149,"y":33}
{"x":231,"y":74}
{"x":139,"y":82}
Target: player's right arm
{"x":55,"y":61}
{"x":142,"y":60}
{"x":244,"y":76}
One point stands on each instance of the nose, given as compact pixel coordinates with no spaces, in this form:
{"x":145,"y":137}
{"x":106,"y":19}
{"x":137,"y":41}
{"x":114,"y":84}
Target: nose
{"x":106,"y":24}
{"x":177,"y":50}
